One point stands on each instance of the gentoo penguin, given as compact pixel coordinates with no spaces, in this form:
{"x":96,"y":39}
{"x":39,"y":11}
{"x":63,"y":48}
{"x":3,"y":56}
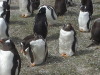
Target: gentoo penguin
{"x":60,"y":7}
{"x":3,"y":24}
{"x":41,"y":24}
{"x":50,"y":13}
{"x":86,"y":11}
{"x":10,"y":62}
{"x":67,"y":41}
{"x":28,"y":6}
{"x":5,"y":10}
{"x":34,"y":48}
{"x":95,"y":33}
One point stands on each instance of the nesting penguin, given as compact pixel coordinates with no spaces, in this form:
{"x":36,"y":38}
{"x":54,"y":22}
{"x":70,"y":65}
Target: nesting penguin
{"x":28,"y":6}
{"x":60,"y":7}
{"x":50,"y":13}
{"x":10,"y":62}
{"x":95,"y":33}
{"x":86,"y":11}
{"x":3,"y":24}
{"x":41,"y":24}
{"x":67,"y":41}
{"x":5,"y":10}
{"x":34,"y":48}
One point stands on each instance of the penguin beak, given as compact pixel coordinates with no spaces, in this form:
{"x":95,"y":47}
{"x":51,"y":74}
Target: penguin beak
{"x":22,"y":51}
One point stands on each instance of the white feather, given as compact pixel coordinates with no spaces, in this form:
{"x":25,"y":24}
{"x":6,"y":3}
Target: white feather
{"x":6,"y":62}
{"x":23,"y":7}
{"x":65,"y":42}
{"x":38,"y":49}
{"x":3,"y":28}
{"x":83,"y":20}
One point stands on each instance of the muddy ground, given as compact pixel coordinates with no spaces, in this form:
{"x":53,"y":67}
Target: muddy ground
{"x":85,"y":62}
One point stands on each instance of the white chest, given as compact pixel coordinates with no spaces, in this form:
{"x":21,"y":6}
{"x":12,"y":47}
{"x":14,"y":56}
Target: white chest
{"x":6,"y":62}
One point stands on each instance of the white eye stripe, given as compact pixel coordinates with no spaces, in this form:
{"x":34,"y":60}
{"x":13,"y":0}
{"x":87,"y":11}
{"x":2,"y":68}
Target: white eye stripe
{"x":27,"y":49}
{"x":21,"y":43}
{"x":7,"y":41}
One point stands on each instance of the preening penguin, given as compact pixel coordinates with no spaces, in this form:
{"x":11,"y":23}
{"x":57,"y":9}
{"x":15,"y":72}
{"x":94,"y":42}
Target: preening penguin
{"x":28,"y":6}
{"x":50,"y":13}
{"x":34,"y":48}
{"x":95,"y":33}
{"x":67,"y":40}
{"x":40,"y":27}
{"x":10,"y":62}
{"x":5,"y":10}
{"x":60,"y":7}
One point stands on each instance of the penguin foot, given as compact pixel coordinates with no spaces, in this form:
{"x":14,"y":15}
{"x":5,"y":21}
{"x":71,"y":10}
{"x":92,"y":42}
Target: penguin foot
{"x":32,"y":65}
{"x":21,"y":51}
{"x":24,"y":16}
{"x":64,"y":55}
{"x":81,"y":30}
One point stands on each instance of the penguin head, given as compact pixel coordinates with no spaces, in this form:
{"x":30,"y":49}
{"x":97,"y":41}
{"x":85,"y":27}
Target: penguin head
{"x":67,"y":27}
{"x":25,"y":46}
{"x":7,"y":44}
{"x":42,"y":10}
{"x":83,"y":8}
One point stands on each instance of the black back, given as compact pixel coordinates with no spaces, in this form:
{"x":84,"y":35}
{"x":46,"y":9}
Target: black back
{"x":95,"y":32}
{"x":60,"y":7}
{"x":16,"y":60}
{"x":40,"y":27}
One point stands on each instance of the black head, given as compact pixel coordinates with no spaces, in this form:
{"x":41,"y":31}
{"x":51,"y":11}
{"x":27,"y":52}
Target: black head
{"x":7,"y":44}
{"x":42,"y":10}
{"x":67,"y":27}
{"x":83,"y":8}
{"x":25,"y":47}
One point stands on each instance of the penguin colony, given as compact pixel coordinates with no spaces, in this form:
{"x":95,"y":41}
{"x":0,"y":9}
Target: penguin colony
{"x":34,"y":46}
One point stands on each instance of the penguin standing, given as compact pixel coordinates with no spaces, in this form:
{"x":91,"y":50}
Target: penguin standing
{"x":86,"y":11}
{"x":60,"y":7}
{"x":10,"y":62}
{"x":28,"y":6}
{"x":3,"y":24}
{"x":67,"y":41}
{"x":95,"y":33}
{"x":41,"y":24}
{"x":50,"y":13}
{"x":5,"y":11}
{"x":34,"y":48}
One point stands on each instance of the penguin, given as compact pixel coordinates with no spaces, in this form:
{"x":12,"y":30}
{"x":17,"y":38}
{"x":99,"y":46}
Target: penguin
{"x":60,"y":7}
{"x":50,"y":13}
{"x":27,"y":7}
{"x":95,"y":33}
{"x":10,"y":62}
{"x":67,"y":41}
{"x":4,"y":27}
{"x":5,"y":11}
{"x":86,"y":11}
{"x":34,"y":48}
{"x":41,"y":24}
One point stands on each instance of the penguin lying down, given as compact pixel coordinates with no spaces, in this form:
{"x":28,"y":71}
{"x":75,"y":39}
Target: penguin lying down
{"x":10,"y":62}
{"x":34,"y":48}
{"x":67,"y":41}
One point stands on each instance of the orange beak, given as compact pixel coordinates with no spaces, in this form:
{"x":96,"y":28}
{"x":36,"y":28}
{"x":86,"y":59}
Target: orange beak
{"x":22,"y":51}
